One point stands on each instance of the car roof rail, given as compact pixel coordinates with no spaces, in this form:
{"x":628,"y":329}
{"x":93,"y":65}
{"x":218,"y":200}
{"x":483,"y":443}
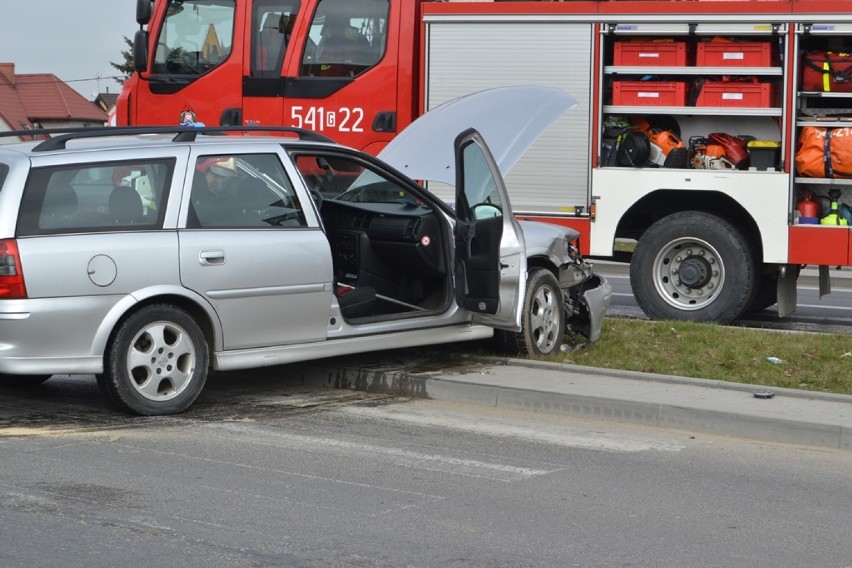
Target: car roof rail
{"x":182,"y":133}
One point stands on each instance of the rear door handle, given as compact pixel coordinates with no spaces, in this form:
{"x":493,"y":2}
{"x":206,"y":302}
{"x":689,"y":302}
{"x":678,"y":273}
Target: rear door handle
{"x":211,"y":257}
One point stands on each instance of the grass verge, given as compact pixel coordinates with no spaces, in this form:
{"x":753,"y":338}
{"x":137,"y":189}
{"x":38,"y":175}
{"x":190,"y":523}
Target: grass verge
{"x":806,"y":361}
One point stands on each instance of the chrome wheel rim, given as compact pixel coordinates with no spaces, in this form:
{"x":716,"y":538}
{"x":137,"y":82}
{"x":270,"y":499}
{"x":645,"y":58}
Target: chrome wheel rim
{"x":161,"y":361}
{"x":688,"y":274}
{"x":544,"y":318}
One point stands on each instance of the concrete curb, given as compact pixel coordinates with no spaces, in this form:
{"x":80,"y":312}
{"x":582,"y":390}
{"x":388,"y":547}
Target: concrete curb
{"x":679,"y":403}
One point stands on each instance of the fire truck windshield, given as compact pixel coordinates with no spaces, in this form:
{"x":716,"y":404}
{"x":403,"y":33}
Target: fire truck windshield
{"x":195,"y":37}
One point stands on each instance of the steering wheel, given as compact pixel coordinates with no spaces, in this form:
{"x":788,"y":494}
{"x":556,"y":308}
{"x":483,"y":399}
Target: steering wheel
{"x":189,"y":62}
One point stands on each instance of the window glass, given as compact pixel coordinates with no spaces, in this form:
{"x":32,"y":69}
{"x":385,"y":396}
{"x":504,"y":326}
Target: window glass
{"x":346,"y":37}
{"x":272,"y":23}
{"x":197,"y":35}
{"x":243,"y":191}
{"x":480,"y":189}
{"x":4,"y":169}
{"x":96,"y":197}
{"x":345,"y":179}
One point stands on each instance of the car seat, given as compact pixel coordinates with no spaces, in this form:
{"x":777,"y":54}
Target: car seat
{"x":125,"y":205}
{"x":60,"y":203}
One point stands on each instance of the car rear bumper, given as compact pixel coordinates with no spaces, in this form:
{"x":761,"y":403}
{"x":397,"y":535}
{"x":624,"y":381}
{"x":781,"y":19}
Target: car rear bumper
{"x":53,"y":335}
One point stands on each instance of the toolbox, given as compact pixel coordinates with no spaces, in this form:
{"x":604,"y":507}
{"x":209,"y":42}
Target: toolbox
{"x":650,"y":53}
{"x":764,"y":154}
{"x":734,"y":94}
{"x":649,"y":93}
{"x":733,"y":54}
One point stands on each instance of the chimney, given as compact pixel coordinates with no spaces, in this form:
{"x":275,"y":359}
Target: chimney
{"x":8,"y":70}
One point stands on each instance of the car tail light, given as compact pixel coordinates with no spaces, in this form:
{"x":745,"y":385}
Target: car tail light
{"x":11,"y":276}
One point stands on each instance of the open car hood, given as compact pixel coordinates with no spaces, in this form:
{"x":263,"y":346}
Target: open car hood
{"x":510,"y":119}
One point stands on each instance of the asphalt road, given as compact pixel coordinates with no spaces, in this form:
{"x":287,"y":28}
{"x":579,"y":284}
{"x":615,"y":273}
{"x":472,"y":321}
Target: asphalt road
{"x":262,"y":472}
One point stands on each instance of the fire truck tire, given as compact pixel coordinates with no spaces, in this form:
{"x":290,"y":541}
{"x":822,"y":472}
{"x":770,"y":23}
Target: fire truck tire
{"x":767,"y":293}
{"x":542,"y":321}
{"x":693,"y":266}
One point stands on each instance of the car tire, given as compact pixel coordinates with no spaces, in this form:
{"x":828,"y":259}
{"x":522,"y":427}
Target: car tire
{"x":542,"y":321}
{"x":693,"y":266}
{"x":156,"y":362}
{"x":22,"y":381}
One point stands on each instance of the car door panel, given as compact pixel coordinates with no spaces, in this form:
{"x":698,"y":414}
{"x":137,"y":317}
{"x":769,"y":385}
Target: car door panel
{"x":268,"y":287}
{"x":490,"y":254}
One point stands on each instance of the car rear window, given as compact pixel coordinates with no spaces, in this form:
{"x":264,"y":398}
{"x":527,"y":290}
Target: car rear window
{"x":96,"y":197}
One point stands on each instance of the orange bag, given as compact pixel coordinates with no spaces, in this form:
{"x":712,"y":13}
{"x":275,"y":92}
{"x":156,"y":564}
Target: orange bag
{"x":824,"y":152}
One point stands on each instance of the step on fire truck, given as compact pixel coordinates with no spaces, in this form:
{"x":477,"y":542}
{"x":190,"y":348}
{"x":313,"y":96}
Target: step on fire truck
{"x":685,"y":140}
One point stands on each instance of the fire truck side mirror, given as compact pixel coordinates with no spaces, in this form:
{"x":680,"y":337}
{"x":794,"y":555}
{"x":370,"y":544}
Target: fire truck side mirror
{"x":143,"y":11}
{"x":140,"y":50}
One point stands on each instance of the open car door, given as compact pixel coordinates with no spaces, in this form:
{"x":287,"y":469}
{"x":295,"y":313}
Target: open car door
{"x":490,"y":256}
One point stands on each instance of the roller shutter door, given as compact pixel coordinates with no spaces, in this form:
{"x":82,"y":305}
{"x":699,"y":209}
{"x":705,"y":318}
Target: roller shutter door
{"x":469,"y":56}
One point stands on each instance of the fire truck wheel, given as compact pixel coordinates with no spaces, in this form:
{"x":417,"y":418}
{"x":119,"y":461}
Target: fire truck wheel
{"x":693,"y":266}
{"x":542,"y":321}
{"x":766,"y":294}
{"x":156,"y":362}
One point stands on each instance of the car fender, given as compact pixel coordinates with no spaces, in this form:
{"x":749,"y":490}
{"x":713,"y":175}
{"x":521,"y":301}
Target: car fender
{"x":548,"y":241}
{"x":128,"y":302}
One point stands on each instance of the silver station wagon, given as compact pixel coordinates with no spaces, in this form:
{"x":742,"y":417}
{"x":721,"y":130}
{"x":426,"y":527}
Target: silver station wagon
{"x":148,"y":256}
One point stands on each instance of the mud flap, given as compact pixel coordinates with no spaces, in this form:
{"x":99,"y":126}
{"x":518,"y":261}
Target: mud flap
{"x":787,"y":277}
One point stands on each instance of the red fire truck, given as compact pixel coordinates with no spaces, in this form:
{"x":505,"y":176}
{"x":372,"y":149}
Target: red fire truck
{"x":684,"y":143}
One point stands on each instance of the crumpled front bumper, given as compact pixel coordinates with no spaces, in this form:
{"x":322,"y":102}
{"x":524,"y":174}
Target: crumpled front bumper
{"x":580,"y":282}
{"x":596,"y":297}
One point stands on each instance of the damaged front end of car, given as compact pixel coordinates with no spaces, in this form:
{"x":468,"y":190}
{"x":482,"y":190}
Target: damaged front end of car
{"x":586,"y":294}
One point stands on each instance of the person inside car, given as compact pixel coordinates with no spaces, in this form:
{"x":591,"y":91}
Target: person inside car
{"x":212,"y":196}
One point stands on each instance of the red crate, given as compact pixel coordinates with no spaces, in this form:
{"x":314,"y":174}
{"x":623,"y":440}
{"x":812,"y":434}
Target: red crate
{"x":733,"y":54}
{"x":719,"y":94}
{"x":648,"y":93}
{"x":650,"y":53}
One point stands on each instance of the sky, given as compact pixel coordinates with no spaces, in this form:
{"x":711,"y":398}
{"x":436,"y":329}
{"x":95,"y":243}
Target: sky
{"x":74,"y":39}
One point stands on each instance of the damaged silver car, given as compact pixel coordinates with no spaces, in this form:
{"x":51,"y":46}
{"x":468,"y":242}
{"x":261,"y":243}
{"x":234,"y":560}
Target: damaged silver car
{"x":147,"y":256}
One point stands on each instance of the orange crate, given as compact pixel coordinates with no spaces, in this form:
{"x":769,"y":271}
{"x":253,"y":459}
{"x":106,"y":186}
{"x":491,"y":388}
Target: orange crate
{"x":650,"y":53}
{"x":648,"y":93}
{"x":718,"y":94}
{"x":733,"y":54}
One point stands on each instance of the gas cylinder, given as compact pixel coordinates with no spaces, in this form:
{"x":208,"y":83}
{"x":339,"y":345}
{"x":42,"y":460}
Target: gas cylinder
{"x":807,"y":207}
{"x":833,"y":217}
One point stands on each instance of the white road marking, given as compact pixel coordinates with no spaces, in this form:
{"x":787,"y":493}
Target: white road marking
{"x":397,"y":456}
{"x":538,"y":431}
